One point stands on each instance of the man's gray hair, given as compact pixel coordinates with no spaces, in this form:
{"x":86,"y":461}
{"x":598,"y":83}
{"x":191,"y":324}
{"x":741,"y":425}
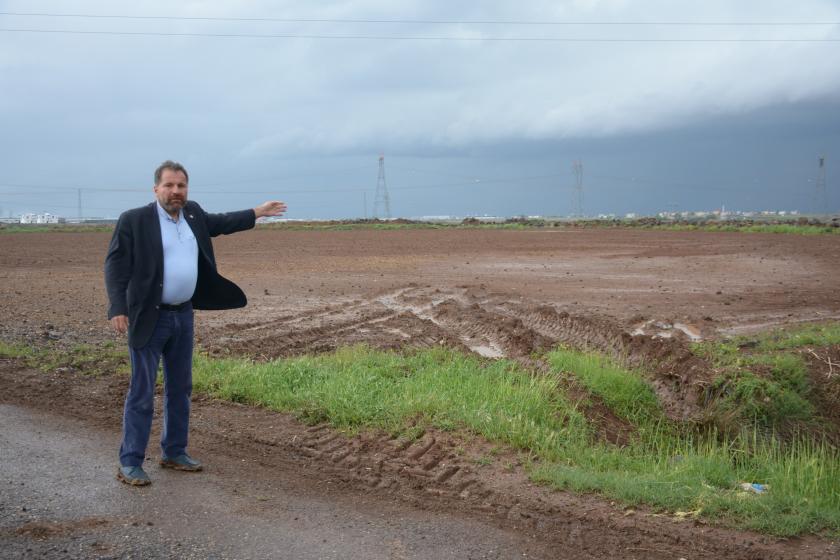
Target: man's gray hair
{"x":172,"y":166}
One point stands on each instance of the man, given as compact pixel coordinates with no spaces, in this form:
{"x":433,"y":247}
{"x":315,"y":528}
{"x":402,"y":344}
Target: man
{"x":160,"y":266}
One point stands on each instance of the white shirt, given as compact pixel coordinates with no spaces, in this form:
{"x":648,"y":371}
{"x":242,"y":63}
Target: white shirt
{"x":180,"y":258}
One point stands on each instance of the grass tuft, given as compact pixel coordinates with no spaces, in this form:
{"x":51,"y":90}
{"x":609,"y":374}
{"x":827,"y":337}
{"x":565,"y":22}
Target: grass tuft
{"x":762,"y":378}
{"x":625,"y":392}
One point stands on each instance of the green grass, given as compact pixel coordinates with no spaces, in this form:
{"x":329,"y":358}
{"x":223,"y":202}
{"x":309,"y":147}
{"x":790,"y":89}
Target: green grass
{"x":361,"y":388}
{"x":624,"y":392}
{"x":703,"y":476}
{"x":94,"y":359}
{"x":349,"y":226}
{"x":798,"y":337}
{"x":388,"y":226}
{"x":526,"y":224}
{"x":9,"y":350}
{"x":762,"y":378}
{"x":772,"y":390}
{"x":55,"y":228}
{"x":667,"y":466}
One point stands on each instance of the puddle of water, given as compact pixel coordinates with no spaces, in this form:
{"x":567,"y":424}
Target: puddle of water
{"x":489,"y":351}
{"x":399,"y":332}
{"x":692,"y":332}
{"x":662,"y":329}
{"x":390,"y":301}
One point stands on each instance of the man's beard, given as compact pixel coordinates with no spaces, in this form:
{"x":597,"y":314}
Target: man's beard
{"x":170,"y":207}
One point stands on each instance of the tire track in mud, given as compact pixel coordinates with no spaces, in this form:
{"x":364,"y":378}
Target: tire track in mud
{"x":431,"y":468}
{"x":419,"y":304}
{"x":678,"y":376}
{"x":380,"y":461}
{"x":434,"y":471}
{"x":470,"y":319}
{"x":306,"y":335}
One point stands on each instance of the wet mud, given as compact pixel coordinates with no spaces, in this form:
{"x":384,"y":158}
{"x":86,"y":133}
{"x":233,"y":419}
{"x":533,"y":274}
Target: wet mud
{"x":474,"y":320}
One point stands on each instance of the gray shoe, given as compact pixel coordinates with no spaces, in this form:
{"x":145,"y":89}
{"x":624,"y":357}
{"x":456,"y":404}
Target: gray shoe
{"x":134,"y":476}
{"x":181,"y":463}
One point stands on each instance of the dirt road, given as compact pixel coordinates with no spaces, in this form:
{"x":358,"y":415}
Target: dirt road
{"x":61,"y":501}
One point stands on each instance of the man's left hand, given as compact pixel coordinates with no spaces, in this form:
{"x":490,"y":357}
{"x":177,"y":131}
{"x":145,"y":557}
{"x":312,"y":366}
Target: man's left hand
{"x":270,"y":208}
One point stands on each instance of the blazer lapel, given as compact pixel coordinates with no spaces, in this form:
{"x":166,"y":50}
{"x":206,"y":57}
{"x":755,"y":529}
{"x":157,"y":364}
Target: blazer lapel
{"x":198,"y":230}
{"x":156,"y":239}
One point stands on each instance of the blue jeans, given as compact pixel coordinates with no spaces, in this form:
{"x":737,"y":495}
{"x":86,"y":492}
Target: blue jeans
{"x":172,"y":339}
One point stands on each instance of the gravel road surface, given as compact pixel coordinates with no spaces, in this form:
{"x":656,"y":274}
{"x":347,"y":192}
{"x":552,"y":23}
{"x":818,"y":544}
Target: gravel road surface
{"x":59,"y":499}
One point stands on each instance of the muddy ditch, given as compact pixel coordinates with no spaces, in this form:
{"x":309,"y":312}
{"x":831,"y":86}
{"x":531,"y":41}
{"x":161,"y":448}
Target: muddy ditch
{"x":474,"y":320}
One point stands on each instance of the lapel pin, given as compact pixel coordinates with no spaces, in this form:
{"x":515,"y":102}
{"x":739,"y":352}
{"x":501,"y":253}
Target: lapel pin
{"x":191,"y":216}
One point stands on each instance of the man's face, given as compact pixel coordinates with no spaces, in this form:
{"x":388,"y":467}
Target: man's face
{"x":171,"y":192}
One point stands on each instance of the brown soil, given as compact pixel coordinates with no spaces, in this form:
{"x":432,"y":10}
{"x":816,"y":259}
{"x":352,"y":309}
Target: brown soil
{"x":51,"y":529}
{"x":638,"y":295}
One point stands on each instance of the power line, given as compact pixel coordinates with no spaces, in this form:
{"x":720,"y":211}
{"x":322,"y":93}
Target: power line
{"x":430,"y":21}
{"x":407,"y":37}
{"x":286,"y":177}
{"x":637,"y":181}
{"x":201,"y":184}
{"x":39,"y":192}
{"x":200,"y":191}
{"x":43,"y":204}
{"x":438,"y":173}
{"x":199,"y":187}
{"x":66,"y":188}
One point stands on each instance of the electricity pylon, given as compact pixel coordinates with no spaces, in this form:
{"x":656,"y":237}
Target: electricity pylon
{"x":381,"y":199}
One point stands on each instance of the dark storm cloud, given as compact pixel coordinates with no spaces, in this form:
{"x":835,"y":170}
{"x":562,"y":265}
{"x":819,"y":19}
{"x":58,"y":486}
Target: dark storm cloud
{"x":103,"y":110}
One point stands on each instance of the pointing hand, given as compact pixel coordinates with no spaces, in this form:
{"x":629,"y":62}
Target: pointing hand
{"x":270,"y":208}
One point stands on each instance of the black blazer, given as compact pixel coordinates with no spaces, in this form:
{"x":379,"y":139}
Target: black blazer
{"x":134,"y":266}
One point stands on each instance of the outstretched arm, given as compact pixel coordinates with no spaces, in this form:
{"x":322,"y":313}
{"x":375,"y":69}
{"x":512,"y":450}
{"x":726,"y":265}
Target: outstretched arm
{"x":231,"y":222}
{"x":270,"y":208}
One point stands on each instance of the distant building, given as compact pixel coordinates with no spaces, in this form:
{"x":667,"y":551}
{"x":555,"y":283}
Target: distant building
{"x":45,"y":218}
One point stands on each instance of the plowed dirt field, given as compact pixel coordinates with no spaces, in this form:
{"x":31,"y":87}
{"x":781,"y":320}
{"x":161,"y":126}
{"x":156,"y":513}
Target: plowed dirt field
{"x":497,"y":293}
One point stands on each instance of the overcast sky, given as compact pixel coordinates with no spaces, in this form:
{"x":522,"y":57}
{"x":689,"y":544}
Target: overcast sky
{"x":472,"y":117}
